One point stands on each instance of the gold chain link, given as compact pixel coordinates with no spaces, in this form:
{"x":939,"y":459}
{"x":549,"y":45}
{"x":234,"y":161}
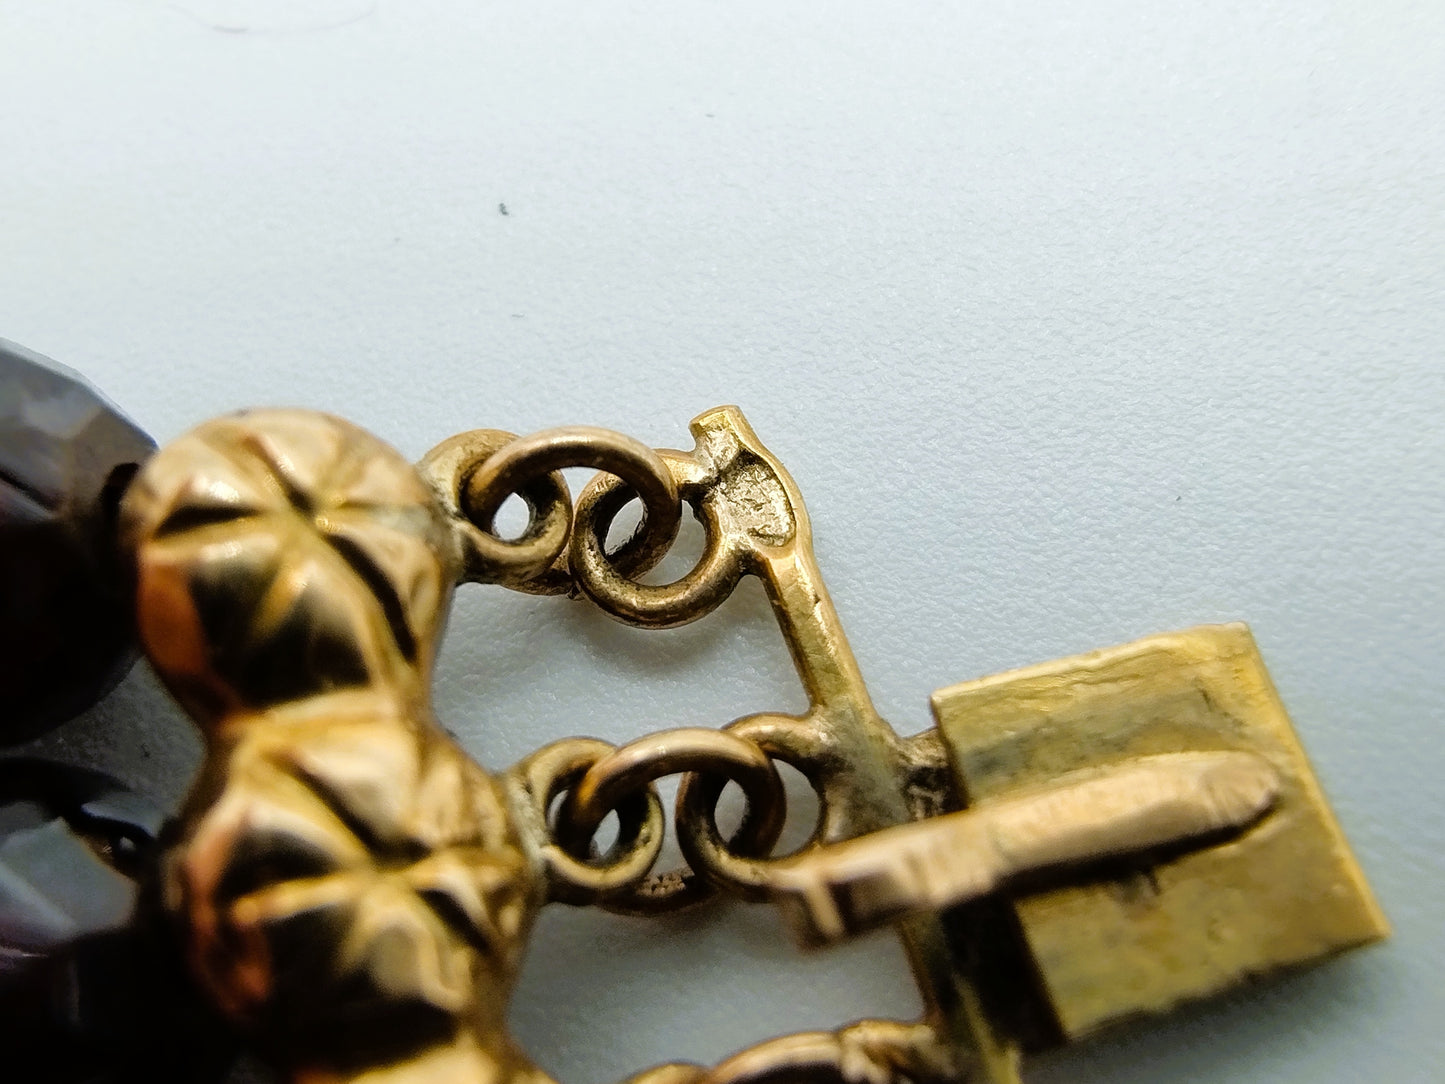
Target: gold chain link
{"x":562,"y":551}
{"x":473,"y":474}
{"x":594,"y":779}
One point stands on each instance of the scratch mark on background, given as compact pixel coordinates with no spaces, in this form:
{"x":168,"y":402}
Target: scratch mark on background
{"x":274,"y":19}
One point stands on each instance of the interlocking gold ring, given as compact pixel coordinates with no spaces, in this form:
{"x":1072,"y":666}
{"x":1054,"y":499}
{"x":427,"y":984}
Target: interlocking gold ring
{"x":634,"y":467}
{"x":718,"y":860}
{"x":610,"y":584}
{"x":528,"y":563}
{"x":714,"y":754}
{"x":556,"y":768}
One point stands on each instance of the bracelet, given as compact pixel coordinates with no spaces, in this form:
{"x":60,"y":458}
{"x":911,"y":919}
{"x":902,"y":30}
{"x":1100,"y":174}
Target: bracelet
{"x":1074,"y":845}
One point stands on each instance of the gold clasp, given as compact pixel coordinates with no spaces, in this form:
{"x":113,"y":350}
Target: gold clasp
{"x":1134,"y":827}
{"x":1076,"y":843}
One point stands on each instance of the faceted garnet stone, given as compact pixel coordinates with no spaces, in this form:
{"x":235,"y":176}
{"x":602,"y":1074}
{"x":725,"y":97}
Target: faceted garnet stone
{"x":66,"y":455}
{"x":91,"y":989}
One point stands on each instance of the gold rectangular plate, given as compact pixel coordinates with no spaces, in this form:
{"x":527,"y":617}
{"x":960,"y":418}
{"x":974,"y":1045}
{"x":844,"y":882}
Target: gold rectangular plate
{"x":1133,"y":941}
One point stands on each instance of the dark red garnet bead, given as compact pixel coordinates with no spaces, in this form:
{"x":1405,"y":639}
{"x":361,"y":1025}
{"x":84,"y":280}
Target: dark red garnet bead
{"x":66,"y":455}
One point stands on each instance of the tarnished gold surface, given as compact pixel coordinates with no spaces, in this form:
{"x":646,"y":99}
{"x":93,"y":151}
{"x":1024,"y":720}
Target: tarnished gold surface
{"x":1168,"y":926}
{"x":355,"y":893}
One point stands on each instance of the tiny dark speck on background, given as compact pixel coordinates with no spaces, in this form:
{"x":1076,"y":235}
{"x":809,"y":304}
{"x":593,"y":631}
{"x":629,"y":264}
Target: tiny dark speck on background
{"x":503,"y":208}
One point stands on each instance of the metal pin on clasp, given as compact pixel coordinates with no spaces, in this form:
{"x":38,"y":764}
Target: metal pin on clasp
{"x":1154,"y":802}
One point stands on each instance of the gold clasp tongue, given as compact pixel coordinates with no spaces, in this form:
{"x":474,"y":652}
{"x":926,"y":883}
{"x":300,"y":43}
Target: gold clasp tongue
{"x":1141,"y":823}
{"x":1088,"y":816}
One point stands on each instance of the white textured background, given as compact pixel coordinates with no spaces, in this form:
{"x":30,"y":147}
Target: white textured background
{"x":1074,"y":321}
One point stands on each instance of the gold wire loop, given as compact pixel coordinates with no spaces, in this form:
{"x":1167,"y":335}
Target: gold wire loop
{"x":638,"y":470}
{"x":555,"y":769}
{"x":720,"y":758}
{"x":610,"y":584}
{"x":878,"y":1051}
{"x":535,"y":561}
{"x":716,"y":859}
